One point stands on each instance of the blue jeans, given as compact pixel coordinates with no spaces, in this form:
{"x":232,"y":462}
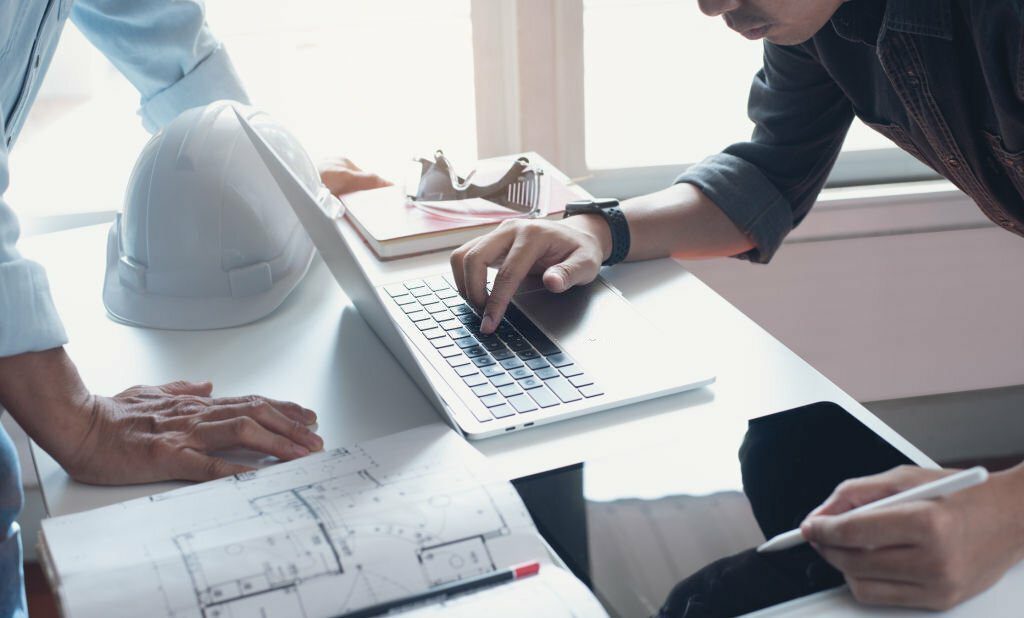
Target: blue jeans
{"x":12,"y":585}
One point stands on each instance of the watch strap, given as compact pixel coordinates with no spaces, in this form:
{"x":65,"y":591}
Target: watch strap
{"x":620,"y":234}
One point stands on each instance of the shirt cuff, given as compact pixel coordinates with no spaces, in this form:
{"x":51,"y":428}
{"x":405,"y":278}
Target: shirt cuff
{"x":211,"y":80}
{"x":28,"y":319}
{"x":748,"y":198}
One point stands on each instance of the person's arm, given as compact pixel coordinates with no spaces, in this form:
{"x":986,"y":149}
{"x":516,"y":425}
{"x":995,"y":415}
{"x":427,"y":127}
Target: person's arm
{"x":931,"y":553}
{"x":742,"y":201}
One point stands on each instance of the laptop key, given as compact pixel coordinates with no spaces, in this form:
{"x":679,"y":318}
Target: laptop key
{"x":483,"y":390}
{"x":426,"y":325}
{"x":429,"y":299}
{"x":434,"y":333}
{"x":420,"y":292}
{"x":395,"y":290}
{"x":443,"y":344}
{"x":434,"y":307}
{"x":476,"y":380}
{"x":543,"y":397}
{"x":458,"y":361}
{"x":462,"y":310}
{"x":417,"y":316}
{"x":536,"y":363}
{"x":581,"y":380}
{"x":412,"y":285}
{"x":491,"y":371}
{"x":474,"y":351}
{"x":546,"y":373}
{"x":450,"y":325}
{"x":502,"y":379}
{"x":511,"y":363}
{"x":437,"y":283}
{"x":446,"y":352}
{"x":518,"y":345}
{"x":591,"y":390}
{"x":520,"y":373}
{"x":465,"y":371}
{"x":502,"y":354}
{"x":410,"y":308}
{"x":460,"y":332}
{"x":510,"y":390}
{"x":465,"y":342}
{"x":483,"y":361}
{"x":404,"y":299}
{"x":528,"y":354}
{"x":522,"y":403}
{"x":570,"y":371}
{"x":493,"y":346}
{"x":446,"y":293}
{"x":565,"y":391}
{"x":531,"y":383}
{"x":502,"y":411}
{"x":559,"y":360}
{"x":492,"y":400}
{"x":454,"y":301}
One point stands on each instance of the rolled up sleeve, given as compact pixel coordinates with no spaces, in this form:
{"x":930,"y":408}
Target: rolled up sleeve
{"x":28,"y":319}
{"x":165,"y":49}
{"x":766,"y":186}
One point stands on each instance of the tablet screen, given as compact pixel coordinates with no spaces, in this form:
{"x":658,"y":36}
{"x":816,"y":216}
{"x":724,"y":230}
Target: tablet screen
{"x":671,"y":530}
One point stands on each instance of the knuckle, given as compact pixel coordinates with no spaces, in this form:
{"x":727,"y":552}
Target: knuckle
{"x":214,"y":468}
{"x":243,"y":427}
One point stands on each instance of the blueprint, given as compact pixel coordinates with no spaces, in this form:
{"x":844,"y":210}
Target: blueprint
{"x":320,"y":536}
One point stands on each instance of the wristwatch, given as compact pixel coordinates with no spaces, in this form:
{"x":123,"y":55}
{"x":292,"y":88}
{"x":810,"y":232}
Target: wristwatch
{"x":609,"y":210}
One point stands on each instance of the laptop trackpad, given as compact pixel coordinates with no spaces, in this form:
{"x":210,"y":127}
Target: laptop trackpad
{"x":592,"y":323}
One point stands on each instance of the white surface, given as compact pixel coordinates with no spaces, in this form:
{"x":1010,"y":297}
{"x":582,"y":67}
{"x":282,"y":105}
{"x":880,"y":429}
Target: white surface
{"x":328,"y":534}
{"x":317,"y":351}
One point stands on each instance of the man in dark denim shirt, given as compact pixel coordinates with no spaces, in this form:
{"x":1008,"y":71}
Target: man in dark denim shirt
{"x":944,"y":79}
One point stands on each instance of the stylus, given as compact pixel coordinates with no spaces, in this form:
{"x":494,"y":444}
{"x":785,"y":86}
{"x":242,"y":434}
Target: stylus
{"x":935,"y":489}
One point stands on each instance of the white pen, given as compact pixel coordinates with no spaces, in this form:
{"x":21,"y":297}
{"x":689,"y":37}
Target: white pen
{"x":935,"y":489}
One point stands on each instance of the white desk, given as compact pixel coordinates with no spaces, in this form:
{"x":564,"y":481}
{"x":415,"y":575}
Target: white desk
{"x":317,"y":351}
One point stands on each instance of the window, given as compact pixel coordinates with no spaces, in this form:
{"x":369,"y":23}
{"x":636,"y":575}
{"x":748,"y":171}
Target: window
{"x":600,"y":87}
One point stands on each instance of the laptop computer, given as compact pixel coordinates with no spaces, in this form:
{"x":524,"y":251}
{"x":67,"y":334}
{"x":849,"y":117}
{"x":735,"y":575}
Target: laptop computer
{"x":554,"y":356}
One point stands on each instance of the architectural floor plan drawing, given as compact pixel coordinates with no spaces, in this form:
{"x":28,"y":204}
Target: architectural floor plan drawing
{"x":320,"y":536}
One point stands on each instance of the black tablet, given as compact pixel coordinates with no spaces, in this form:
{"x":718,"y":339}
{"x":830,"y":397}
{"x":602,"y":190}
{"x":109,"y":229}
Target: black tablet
{"x":671,"y":531}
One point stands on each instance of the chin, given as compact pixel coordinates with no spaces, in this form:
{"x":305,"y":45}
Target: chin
{"x":788,"y":38}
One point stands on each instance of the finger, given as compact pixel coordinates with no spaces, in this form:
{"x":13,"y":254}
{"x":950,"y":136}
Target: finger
{"x":576,"y":269}
{"x":882,"y":592}
{"x":488,"y":251}
{"x":361,"y":181}
{"x":191,"y":465}
{"x":245,"y":432}
{"x":896,"y":564}
{"x":456,"y":261}
{"x":289,"y":409}
{"x":270,"y":418}
{"x":894,"y":526}
{"x":181,"y":387}
{"x":517,"y":264}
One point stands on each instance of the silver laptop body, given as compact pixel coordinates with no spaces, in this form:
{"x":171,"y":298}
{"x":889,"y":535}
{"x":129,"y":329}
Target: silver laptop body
{"x":603,"y":353}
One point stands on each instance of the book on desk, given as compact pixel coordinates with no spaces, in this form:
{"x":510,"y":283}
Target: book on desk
{"x":326,"y":535}
{"x":393,"y":226}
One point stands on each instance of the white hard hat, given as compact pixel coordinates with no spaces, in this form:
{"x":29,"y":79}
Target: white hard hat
{"x":207,"y":239}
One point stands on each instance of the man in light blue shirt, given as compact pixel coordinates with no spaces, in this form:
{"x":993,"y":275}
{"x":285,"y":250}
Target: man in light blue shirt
{"x":145,"y":433}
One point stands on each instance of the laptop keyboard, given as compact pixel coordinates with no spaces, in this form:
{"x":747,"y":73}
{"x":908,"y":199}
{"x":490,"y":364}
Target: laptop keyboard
{"x":515,"y":370}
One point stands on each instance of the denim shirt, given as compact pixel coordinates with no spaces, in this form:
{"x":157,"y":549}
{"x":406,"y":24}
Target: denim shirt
{"x":943,"y":79}
{"x":164,"y":47}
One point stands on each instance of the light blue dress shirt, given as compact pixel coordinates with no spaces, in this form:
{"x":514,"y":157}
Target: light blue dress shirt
{"x":165,"y":48}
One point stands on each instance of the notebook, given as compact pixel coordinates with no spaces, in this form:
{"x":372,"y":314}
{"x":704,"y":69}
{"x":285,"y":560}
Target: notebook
{"x":393,"y":227}
{"x":321,"y":536}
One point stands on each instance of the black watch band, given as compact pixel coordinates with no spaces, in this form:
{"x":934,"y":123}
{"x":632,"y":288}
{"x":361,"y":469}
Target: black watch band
{"x":609,"y":210}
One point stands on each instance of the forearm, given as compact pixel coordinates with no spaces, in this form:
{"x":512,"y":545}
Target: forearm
{"x":45,"y":394}
{"x":679,"y":221}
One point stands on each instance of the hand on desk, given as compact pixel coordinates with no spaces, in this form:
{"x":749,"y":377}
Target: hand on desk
{"x":153,"y":433}
{"x":932,"y":554}
{"x":566,"y":253}
{"x":342,"y":176}
{"x":146,"y":433}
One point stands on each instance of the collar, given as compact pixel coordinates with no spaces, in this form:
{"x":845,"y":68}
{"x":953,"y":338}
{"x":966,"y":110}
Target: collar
{"x":861,"y":21}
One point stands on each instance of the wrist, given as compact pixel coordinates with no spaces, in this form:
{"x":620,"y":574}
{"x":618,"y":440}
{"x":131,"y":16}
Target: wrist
{"x":1008,"y":491}
{"x":595,"y":226}
{"x":45,"y":394}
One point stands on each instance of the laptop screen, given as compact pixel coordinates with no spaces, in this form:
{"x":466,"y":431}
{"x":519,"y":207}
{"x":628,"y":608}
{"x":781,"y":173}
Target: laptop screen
{"x":672,"y":530}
